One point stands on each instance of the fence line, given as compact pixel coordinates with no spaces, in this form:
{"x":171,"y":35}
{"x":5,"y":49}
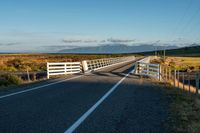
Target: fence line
{"x":188,"y":81}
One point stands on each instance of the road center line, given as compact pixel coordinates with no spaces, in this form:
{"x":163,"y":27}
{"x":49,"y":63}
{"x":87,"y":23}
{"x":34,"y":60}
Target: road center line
{"x":86,"y":114}
{"x":38,"y":87}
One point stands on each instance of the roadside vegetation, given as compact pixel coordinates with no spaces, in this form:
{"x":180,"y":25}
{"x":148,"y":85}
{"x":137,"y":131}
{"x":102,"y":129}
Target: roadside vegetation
{"x":14,"y":67}
{"x":9,"y":79}
{"x":184,"y":63}
{"x":184,"y":108}
{"x":37,"y":62}
{"x":180,"y":63}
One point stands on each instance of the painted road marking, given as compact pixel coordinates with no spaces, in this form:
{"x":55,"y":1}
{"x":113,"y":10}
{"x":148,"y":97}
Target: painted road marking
{"x":86,"y":114}
{"x":38,"y":87}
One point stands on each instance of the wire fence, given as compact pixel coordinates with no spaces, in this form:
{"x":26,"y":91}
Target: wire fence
{"x":188,"y":81}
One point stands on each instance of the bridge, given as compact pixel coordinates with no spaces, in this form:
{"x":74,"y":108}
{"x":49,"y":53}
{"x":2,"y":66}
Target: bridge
{"x":106,"y":95}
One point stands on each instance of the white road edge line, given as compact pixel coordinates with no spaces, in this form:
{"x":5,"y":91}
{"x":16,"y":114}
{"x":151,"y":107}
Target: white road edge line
{"x":38,"y":87}
{"x":86,"y":114}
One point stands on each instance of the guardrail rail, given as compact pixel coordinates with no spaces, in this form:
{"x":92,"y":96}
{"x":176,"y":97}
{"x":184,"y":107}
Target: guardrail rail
{"x":63,"y":68}
{"x":145,"y":68}
{"x":90,"y":65}
{"x":87,"y":65}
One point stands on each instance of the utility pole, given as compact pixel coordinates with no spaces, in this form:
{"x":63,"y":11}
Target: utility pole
{"x":164,"y":54}
{"x":156,"y":51}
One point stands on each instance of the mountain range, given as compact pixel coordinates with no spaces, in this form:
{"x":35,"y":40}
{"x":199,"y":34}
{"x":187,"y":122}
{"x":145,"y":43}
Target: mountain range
{"x":116,"y":48}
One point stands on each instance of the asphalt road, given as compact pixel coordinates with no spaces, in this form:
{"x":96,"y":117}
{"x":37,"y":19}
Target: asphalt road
{"x":134,"y":106}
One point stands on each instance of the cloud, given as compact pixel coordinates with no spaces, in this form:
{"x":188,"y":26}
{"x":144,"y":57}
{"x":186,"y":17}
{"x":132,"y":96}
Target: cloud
{"x":79,"y":41}
{"x":71,"y":41}
{"x":109,"y":40}
{"x":90,"y":41}
{"x":9,"y":44}
{"x":120,"y":40}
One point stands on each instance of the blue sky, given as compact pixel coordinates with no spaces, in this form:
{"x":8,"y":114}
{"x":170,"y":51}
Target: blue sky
{"x":50,"y":25}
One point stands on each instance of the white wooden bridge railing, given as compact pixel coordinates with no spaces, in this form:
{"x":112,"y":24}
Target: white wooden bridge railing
{"x":144,"y":67}
{"x":63,"y":68}
{"x":90,"y":65}
{"x":84,"y":66}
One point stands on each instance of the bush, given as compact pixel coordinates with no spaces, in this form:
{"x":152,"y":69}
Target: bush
{"x":8,"y":79}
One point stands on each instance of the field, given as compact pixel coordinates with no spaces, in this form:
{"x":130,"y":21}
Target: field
{"x":184,"y":63}
{"x":37,"y":62}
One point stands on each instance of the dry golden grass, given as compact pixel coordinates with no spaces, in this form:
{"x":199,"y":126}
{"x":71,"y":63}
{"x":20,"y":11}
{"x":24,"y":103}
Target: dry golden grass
{"x":37,"y":62}
{"x":183,"y":63}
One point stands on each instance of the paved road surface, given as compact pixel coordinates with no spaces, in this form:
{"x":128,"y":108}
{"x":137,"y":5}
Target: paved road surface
{"x":134,"y":106}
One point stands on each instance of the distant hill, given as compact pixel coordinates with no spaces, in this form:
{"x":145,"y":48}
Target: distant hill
{"x":193,"y":50}
{"x":115,"y":48}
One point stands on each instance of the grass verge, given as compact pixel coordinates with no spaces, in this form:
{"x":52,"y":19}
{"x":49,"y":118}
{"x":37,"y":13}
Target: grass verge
{"x":184,"y":110}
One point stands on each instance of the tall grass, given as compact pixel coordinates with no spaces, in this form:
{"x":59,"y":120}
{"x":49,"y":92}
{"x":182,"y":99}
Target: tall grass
{"x":9,"y":79}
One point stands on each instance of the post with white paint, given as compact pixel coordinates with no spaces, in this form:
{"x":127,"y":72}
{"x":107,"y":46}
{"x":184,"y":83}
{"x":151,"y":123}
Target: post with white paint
{"x":28,"y":75}
{"x":47,"y":70}
{"x":65,"y":68}
{"x":85,"y":66}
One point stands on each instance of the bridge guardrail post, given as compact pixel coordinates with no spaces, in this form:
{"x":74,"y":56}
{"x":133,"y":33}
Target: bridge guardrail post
{"x":85,"y":66}
{"x":65,"y":68}
{"x":47,"y":70}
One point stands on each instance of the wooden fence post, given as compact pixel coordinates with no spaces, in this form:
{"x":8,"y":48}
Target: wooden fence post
{"x":178,"y":77}
{"x":197,"y":82}
{"x":169,"y":73}
{"x":28,"y":75}
{"x":174,"y":78}
{"x":166,"y":74}
{"x":183,"y":81}
{"x":189,"y":81}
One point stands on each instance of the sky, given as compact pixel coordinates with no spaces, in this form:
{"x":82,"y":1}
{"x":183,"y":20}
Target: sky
{"x":51,"y":25}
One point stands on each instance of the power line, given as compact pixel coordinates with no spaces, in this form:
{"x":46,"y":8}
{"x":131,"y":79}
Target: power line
{"x":190,"y":20}
{"x":181,"y":18}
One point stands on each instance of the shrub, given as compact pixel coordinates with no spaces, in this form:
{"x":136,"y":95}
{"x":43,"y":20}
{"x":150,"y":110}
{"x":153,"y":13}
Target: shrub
{"x":17,"y":63}
{"x":9,"y":79}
